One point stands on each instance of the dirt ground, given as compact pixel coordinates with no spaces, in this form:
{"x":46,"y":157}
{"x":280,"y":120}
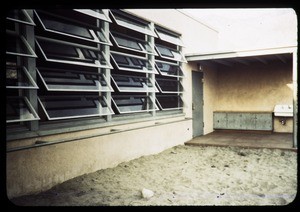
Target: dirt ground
{"x":183,"y":175}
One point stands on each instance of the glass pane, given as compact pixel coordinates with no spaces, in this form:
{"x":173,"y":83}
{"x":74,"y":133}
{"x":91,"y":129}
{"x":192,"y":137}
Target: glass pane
{"x":17,"y":45}
{"x":126,"y":83}
{"x":168,"y":69}
{"x":68,"y":80}
{"x":20,"y":16}
{"x":66,"y":107}
{"x":55,"y":51}
{"x":19,"y":109}
{"x":170,"y":54}
{"x":131,"y":104}
{"x":169,"y":38}
{"x":132,"y":24}
{"x":167,"y":102}
{"x":130,"y":63}
{"x":19,"y":77}
{"x":169,"y":85}
{"x":99,"y":14}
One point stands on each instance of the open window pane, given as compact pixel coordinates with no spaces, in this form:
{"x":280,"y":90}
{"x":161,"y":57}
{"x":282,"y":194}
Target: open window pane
{"x":19,"y":16}
{"x":68,"y":80}
{"x":132,"y":63}
{"x":125,"y":83}
{"x":169,"y":69}
{"x":169,"y":85}
{"x":99,"y":14}
{"x":18,"y":45}
{"x":65,"y":52}
{"x":67,"y":107}
{"x":170,"y":54}
{"x":125,"y":42}
{"x":19,"y":78}
{"x":131,"y":23}
{"x":57,"y":25}
{"x":169,"y":102}
{"x":132,"y":103}
{"x":169,"y":37}
{"x":19,"y":109}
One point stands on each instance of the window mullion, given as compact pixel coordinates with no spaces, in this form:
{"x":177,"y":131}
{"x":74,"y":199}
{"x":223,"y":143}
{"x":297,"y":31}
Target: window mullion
{"x":30,"y":64}
{"x":151,"y":76}
{"x":105,"y":71}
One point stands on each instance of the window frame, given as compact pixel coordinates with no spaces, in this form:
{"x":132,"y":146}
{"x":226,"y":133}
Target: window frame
{"x":172,"y":52}
{"x":94,"y":14}
{"x":145,"y":87}
{"x":165,"y":36}
{"x":24,"y":70}
{"x":29,"y":22}
{"x":75,"y":116}
{"x":154,"y":71}
{"x":141,"y":43}
{"x":163,"y":73}
{"x":134,"y":23}
{"x":75,"y":88}
{"x":29,"y":107}
{"x":179,"y":85}
{"x":96,"y":63}
{"x":130,"y":96}
{"x":173,"y":108}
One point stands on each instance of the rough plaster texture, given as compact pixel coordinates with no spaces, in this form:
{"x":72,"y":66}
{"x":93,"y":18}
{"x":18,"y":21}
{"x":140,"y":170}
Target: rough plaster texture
{"x":258,"y":87}
{"x":34,"y":170}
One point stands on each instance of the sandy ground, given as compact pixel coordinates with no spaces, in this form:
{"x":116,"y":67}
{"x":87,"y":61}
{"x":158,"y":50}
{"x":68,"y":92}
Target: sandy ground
{"x":183,"y":175}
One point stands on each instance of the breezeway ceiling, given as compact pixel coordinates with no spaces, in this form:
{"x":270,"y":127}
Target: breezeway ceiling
{"x":264,"y":59}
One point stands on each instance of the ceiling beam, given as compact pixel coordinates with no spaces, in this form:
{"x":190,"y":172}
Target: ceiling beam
{"x":281,"y":58}
{"x":223,"y":62}
{"x":261,"y":60}
{"x":242,"y":61}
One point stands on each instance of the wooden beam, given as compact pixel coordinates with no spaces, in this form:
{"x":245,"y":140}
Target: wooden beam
{"x":223,"y":62}
{"x":242,"y":61}
{"x":261,"y":60}
{"x":281,"y":58}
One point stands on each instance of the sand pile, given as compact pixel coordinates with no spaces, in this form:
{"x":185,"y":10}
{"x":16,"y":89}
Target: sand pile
{"x":183,"y":175}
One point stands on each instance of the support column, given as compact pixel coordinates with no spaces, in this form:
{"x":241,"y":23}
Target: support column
{"x":295,"y":100}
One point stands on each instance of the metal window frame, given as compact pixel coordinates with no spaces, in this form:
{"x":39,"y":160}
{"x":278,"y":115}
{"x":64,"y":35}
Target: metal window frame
{"x":91,"y":31}
{"x":154,"y":71}
{"x":132,"y":23}
{"x":28,"y":22}
{"x":101,"y":16}
{"x":74,"y":116}
{"x":26,"y":44}
{"x":173,"y":51}
{"x":173,"y":108}
{"x":130,"y":97}
{"x":76,"y":88}
{"x":163,"y":73}
{"x":168,"y":36}
{"x":78,"y":46}
{"x":141,"y":43}
{"x":28,"y":76}
{"x":179,"y":85}
{"x":143,"y":89}
{"x":29,"y":108}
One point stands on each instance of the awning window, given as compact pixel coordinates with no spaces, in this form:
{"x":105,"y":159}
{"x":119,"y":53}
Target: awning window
{"x":135,"y":24}
{"x":67,"y":107}
{"x":19,"y":109}
{"x":17,"y":45}
{"x":20,"y":16}
{"x":66,"y":52}
{"x":130,"y":43}
{"x":99,"y":14}
{"x":70,"y":80}
{"x":169,"y":85}
{"x":169,"y":69}
{"x":126,"y":83}
{"x":169,"y":53}
{"x":133,"y":103}
{"x":57,"y":25}
{"x":19,"y":78}
{"x":133,"y":63}
{"x":169,"y":102}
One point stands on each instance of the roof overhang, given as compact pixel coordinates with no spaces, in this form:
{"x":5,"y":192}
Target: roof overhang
{"x":239,"y":54}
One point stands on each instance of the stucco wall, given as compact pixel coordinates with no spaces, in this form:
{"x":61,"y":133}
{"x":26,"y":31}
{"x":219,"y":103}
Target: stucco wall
{"x":37,"y":169}
{"x":196,"y":36}
{"x":257,"y":87}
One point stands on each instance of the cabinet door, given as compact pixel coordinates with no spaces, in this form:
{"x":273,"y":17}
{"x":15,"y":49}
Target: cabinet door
{"x":220,"y":120}
{"x":234,"y":121}
{"x":264,"y":121}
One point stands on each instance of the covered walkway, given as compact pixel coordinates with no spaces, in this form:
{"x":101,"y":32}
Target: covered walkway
{"x":246,"y":139}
